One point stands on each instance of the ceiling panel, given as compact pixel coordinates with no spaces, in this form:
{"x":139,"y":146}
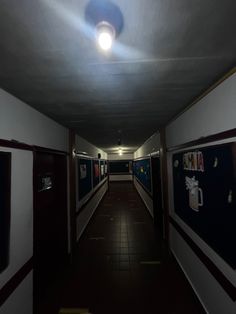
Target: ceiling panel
{"x":168,"y":53}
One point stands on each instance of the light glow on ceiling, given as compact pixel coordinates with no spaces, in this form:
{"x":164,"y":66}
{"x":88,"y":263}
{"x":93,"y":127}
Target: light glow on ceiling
{"x":120,"y":151}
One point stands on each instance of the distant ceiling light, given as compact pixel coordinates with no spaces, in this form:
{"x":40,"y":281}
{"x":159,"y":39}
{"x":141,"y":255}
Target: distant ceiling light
{"x":120,"y":151}
{"x":105,"y":35}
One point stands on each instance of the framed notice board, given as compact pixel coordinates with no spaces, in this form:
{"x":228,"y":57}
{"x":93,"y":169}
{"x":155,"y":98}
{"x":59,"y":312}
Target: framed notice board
{"x":5,"y":208}
{"x":120,"y":167}
{"x":96,"y":172}
{"x":84,"y":176}
{"x":205,"y":195}
{"x":142,"y":171}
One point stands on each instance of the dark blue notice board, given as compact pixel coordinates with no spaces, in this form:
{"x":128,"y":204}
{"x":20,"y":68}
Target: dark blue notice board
{"x":120,"y":166}
{"x":84,"y":176}
{"x":205,"y":195}
{"x":142,"y":171}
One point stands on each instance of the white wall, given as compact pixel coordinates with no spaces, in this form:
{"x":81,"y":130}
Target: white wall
{"x":213,"y":114}
{"x":84,"y":146}
{"x":151,"y":145}
{"x":120,"y":177}
{"x":120,"y":157}
{"x":22,"y":123}
{"x":21,"y":300}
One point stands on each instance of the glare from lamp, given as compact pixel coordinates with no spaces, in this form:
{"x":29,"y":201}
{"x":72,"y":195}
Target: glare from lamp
{"x":105,"y":41}
{"x":120,"y":152}
{"x":105,"y":35}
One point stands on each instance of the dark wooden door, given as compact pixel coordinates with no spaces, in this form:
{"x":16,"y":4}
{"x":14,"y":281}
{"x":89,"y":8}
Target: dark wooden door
{"x":157,"y":194}
{"x":50,"y":219}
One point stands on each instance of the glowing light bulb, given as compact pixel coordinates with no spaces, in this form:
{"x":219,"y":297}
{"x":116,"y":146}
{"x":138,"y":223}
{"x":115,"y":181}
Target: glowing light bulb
{"x":105,"y":35}
{"x":105,"y":40}
{"x":120,"y":151}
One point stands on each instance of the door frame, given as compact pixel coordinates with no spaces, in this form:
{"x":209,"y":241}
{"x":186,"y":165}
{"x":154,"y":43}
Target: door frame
{"x":42,"y":150}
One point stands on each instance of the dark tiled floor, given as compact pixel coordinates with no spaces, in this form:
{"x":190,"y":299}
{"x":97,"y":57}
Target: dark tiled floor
{"x":122,"y":266}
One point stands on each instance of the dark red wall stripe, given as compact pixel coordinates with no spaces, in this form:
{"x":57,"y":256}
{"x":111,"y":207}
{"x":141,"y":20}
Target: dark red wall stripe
{"x":49,"y":150}
{"x":206,"y":139}
{"x":23,"y":146}
{"x":229,"y":288}
{"x":15,"y":144}
{"x":15,"y":281}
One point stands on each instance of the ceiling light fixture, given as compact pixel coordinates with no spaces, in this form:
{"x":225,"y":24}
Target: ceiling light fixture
{"x":105,"y":21}
{"x":105,"y":34}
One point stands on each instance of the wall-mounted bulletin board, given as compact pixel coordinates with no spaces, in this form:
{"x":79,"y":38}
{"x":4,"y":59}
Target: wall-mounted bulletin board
{"x":205,"y":195}
{"x":5,"y":208}
{"x":142,"y":171}
{"x":84,"y":176}
{"x":120,"y":167}
{"x":102,"y":169}
{"x":96,"y":172}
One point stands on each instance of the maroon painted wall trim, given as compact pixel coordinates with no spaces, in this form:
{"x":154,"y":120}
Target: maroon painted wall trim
{"x":229,"y":288}
{"x":49,"y":150}
{"x":15,"y":281}
{"x":23,"y":146}
{"x":91,"y":196}
{"x":143,"y":157}
{"x":15,"y":144}
{"x":206,"y":139}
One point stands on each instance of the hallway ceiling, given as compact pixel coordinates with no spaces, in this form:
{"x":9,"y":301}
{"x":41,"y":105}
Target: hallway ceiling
{"x":167,"y":54}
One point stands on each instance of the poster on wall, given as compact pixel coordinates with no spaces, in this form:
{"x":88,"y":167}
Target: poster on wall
{"x":96,"y":172}
{"x":85,"y":177}
{"x":204,"y":195}
{"x":45,"y":182}
{"x":102,"y":169}
{"x":142,"y":172}
{"x":83,"y":171}
{"x":5,"y":196}
{"x":105,"y":168}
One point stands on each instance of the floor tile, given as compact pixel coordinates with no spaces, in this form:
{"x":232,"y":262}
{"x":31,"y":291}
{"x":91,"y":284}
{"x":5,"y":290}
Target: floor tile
{"x":107,"y":276}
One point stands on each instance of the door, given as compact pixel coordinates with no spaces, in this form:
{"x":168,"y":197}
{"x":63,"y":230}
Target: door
{"x":50,"y":219}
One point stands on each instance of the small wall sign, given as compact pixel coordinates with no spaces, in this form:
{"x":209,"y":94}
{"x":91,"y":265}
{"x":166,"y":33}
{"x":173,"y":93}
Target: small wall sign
{"x":45,"y":182}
